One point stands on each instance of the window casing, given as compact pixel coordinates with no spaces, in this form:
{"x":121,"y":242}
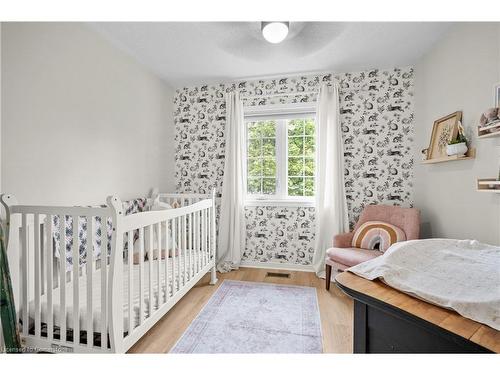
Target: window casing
{"x":280,"y":158}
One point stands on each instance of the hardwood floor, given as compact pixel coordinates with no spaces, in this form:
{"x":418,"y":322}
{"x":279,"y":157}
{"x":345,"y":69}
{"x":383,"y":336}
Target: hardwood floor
{"x":336,"y":310}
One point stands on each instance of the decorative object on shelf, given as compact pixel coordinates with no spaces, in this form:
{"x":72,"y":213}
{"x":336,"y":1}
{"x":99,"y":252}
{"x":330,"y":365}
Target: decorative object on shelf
{"x":458,"y":146}
{"x":444,"y":131}
{"x":489,"y":123}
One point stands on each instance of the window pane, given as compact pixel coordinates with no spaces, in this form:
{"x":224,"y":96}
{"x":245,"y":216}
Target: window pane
{"x":267,"y":128}
{"x":254,"y":186}
{"x":261,"y":157}
{"x":269,"y":186}
{"x":268,"y":147}
{"x":309,"y":167}
{"x":296,"y":186}
{"x":269,"y":168}
{"x":253,"y":130}
{"x":254,"y":167}
{"x":296,"y":146}
{"x":309,"y":187}
{"x":296,"y":127}
{"x":309,"y":146}
{"x":309,"y":127}
{"x":254,"y":148}
{"x":295,"y":166}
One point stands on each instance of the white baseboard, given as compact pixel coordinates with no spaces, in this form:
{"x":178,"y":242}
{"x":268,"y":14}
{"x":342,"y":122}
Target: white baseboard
{"x":278,"y":266}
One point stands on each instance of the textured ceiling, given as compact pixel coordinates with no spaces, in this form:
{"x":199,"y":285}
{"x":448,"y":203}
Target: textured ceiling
{"x":188,"y":53}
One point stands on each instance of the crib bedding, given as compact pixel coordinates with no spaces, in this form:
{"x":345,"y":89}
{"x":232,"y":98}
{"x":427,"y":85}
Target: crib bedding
{"x":462,"y":275}
{"x":96,"y":293}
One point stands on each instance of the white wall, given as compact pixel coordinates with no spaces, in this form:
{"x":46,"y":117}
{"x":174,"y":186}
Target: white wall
{"x":81,"y":119}
{"x":458,"y":74}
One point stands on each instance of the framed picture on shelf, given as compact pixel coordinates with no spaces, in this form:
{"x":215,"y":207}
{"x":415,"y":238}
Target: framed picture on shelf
{"x":444,"y":130}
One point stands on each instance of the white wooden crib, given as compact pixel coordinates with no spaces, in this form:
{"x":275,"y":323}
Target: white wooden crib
{"x":95,"y":306}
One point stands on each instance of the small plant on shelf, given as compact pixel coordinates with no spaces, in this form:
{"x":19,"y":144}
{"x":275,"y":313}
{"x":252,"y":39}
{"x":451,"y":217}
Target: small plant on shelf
{"x":458,"y":146}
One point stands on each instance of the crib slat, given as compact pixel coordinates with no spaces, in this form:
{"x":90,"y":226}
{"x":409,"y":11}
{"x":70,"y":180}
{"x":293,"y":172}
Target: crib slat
{"x":38,"y":280}
{"x":158,"y":265}
{"x":196,"y":241}
{"x":209,"y":242}
{"x":90,"y":272}
{"x":49,"y":257}
{"x":104,"y":282}
{"x":150,"y":261}
{"x":184,"y":249}
{"x":191,"y":269}
{"x":203,"y":238}
{"x":76,"y":283}
{"x":179,"y":258}
{"x":130,"y":251}
{"x":209,"y":234}
{"x":25,"y":273}
{"x":62,"y":277}
{"x":207,"y":222}
{"x":170,"y":250}
{"x":43,"y":259}
{"x":205,"y":214}
{"x":213,"y":230}
{"x":141,"y":275}
{"x":174,"y":254}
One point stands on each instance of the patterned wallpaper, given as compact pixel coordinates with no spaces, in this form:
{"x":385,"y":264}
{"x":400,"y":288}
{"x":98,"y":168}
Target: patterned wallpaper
{"x":377,"y":123}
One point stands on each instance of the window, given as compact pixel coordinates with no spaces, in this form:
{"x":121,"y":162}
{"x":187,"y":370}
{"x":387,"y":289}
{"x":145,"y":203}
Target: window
{"x":281,"y":157}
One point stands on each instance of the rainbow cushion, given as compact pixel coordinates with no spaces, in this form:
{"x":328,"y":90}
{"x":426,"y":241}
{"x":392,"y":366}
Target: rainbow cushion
{"x":377,"y":235}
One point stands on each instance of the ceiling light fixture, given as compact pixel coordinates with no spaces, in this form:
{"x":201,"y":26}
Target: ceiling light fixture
{"x":275,"y":32}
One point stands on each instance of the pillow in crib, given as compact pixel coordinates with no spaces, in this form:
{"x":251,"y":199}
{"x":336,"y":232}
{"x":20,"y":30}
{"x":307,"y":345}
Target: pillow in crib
{"x":170,"y":248}
{"x":377,"y":235}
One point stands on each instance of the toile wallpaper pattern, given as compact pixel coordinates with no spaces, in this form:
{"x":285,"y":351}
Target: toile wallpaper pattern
{"x":377,"y":123}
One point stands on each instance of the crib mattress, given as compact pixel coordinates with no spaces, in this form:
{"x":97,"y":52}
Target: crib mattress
{"x":96,"y":294}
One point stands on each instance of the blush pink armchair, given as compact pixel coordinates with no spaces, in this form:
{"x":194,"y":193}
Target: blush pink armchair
{"x":342,"y":255}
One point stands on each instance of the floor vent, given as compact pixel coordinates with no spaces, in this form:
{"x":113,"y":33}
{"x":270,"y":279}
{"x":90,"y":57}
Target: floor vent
{"x":278,"y":274}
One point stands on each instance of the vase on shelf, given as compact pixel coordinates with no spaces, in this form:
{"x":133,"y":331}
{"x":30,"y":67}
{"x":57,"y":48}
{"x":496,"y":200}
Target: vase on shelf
{"x":458,"y":149}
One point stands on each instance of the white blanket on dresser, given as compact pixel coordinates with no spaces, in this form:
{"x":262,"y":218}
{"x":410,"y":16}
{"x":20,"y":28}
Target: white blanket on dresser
{"x":462,"y":275}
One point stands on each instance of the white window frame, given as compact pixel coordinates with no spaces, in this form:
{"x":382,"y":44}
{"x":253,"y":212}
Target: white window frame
{"x":280,"y":113}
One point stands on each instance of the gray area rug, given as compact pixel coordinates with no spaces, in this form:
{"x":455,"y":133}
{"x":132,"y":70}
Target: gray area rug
{"x":247,"y":317}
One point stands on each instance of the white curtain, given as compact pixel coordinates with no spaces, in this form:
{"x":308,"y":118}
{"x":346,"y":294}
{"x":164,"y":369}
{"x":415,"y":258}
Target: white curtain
{"x":331,"y":206}
{"x":231,"y":242}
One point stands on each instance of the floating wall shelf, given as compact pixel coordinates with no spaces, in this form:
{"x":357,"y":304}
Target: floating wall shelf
{"x":471,"y":154}
{"x":488,"y":185}
{"x":492,"y":130}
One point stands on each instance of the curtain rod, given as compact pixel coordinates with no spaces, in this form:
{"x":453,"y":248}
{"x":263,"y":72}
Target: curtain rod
{"x":280,"y":94}
{"x":298,"y":93}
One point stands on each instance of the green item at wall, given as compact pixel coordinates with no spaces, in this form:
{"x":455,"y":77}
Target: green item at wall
{"x":7,"y":308}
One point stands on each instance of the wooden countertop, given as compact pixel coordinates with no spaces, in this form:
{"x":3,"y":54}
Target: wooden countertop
{"x":447,"y":319}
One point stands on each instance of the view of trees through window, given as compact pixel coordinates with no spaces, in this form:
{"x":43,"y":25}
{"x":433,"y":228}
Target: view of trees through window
{"x":261,"y":157}
{"x":294,"y":140}
{"x":301,"y":149}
